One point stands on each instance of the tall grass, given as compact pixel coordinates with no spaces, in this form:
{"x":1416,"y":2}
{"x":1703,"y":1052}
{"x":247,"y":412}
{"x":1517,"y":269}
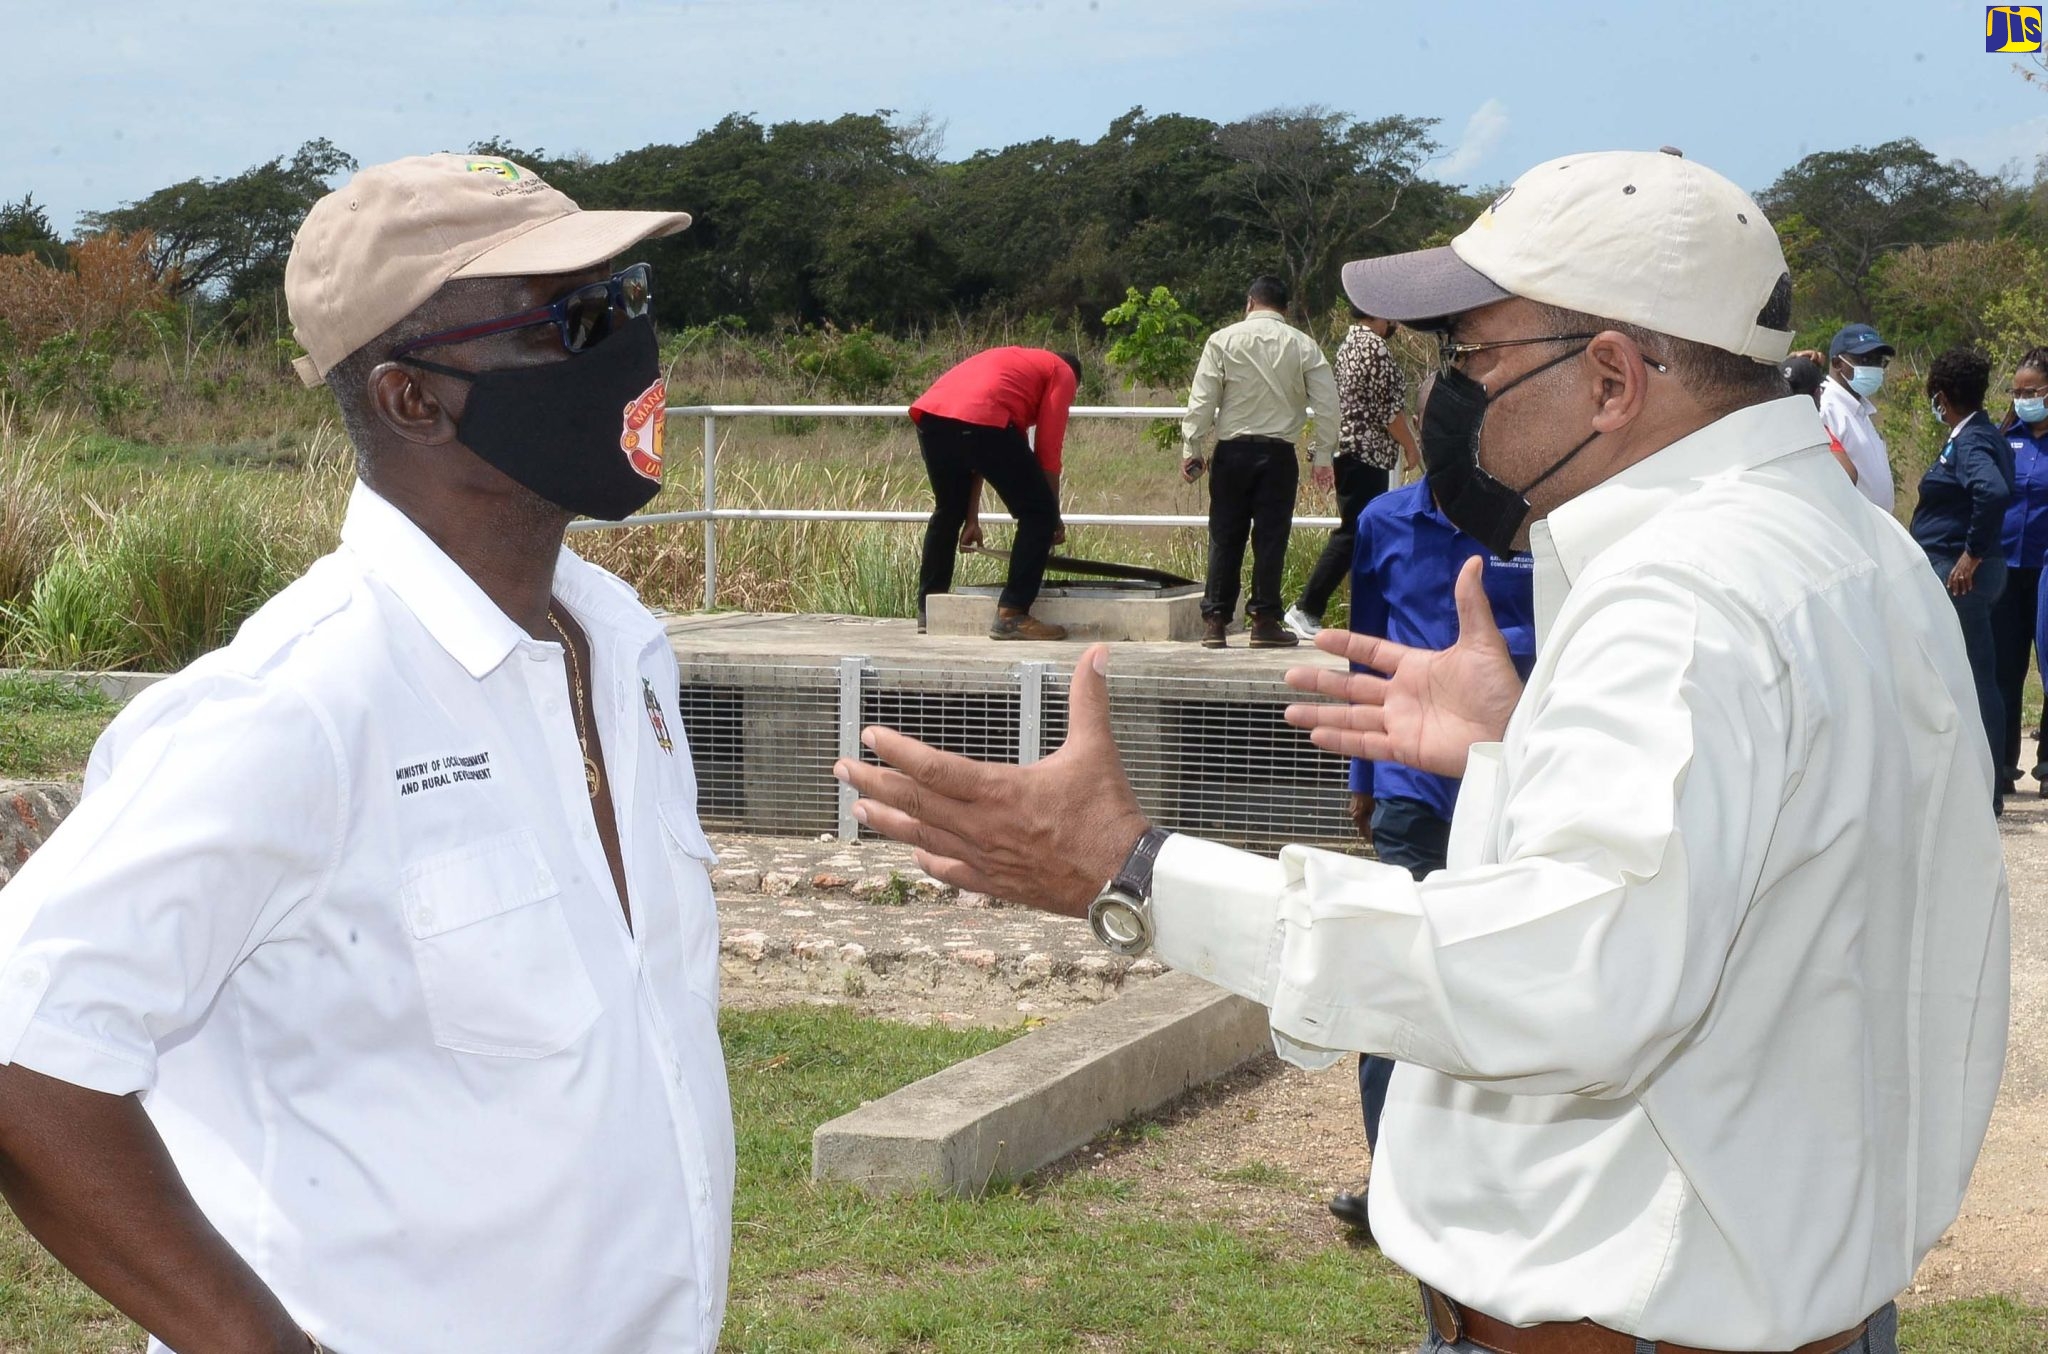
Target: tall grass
{"x":121,"y":567}
{"x":141,"y":541}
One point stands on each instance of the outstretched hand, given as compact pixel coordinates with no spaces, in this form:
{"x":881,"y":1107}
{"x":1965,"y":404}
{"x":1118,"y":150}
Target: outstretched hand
{"x":1048,"y":835}
{"x":1424,"y":708}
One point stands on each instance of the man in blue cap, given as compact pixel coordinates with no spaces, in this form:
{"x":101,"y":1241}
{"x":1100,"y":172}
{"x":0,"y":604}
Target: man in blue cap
{"x":1857,"y":358}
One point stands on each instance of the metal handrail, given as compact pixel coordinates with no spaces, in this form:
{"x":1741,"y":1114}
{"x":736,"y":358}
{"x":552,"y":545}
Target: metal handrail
{"x":711,"y":514}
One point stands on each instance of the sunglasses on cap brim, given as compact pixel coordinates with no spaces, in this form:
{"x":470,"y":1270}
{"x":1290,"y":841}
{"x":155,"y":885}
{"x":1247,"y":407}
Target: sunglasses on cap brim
{"x":583,"y":316}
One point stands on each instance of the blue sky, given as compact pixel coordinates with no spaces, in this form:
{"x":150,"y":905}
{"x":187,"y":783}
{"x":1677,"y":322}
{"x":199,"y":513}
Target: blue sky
{"x":110,"y":99}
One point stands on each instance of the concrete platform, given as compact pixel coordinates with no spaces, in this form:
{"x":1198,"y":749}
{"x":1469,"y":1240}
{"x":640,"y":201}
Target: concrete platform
{"x":1166,"y":615}
{"x":738,"y":637}
{"x":1019,"y":1107}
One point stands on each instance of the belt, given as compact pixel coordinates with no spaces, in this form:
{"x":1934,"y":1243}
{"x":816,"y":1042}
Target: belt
{"x":1262,"y":440}
{"x":1453,"y":1321}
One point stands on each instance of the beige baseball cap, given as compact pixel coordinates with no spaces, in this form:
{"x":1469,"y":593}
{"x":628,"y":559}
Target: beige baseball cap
{"x":1644,"y":237}
{"x":372,"y":251}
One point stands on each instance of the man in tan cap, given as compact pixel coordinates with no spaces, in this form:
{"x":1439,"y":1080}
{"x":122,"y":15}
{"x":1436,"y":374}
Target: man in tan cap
{"x":369,"y":997}
{"x":1699,"y":1030}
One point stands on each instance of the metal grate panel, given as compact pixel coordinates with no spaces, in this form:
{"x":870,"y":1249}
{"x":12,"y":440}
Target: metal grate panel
{"x":1206,"y":755}
{"x":763,"y":737}
{"x":1216,"y":759}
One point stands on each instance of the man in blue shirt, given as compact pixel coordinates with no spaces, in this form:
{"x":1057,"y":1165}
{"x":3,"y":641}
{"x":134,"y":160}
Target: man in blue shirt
{"x":2019,"y":623}
{"x":1404,"y":571}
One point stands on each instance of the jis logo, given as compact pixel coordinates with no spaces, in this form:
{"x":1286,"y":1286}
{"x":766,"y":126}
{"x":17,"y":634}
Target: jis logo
{"x":2012,"y":28}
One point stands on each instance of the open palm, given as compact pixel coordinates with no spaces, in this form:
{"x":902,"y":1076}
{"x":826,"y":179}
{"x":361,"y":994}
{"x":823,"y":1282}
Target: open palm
{"x":1430,"y":706}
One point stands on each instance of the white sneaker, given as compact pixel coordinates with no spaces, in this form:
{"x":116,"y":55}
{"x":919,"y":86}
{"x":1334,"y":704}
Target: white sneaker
{"x":1300,"y":622}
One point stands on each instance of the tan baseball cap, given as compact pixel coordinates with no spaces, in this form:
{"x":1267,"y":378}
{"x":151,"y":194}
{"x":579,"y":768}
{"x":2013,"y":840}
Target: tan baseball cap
{"x":372,"y":251}
{"x":1644,"y":237}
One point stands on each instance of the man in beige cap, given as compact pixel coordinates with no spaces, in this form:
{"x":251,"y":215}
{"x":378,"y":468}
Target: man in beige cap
{"x":1700,"y":1029}
{"x":369,"y":998}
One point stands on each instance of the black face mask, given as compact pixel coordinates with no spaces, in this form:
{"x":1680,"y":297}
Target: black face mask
{"x":1475,"y":502}
{"x":584,"y":432}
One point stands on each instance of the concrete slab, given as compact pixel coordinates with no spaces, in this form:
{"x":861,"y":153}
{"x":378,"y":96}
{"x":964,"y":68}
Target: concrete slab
{"x":1017,"y":1108}
{"x":803,"y":640}
{"x":1167,"y":615}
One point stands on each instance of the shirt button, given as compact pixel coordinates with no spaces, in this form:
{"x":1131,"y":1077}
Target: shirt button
{"x":537,"y":655}
{"x":29,"y":976}
{"x":426,"y":914}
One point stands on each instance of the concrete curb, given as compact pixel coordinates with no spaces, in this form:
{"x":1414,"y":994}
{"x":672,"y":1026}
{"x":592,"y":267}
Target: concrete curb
{"x":120,"y":687}
{"x":1030,"y":1102}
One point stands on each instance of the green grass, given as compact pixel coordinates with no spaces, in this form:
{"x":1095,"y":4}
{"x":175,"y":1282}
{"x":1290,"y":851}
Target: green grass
{"x":1071,"y":1263}
{"x":1080,"y":1260}
{"x":47,"y":728}
{"x":1974,"y":1326}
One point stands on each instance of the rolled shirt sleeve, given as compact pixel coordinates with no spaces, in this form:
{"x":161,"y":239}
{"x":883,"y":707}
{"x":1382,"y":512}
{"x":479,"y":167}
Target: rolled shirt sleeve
{"x":1204,"y":401}
{"x":213,"y":810}
{"x":1596,"y":876}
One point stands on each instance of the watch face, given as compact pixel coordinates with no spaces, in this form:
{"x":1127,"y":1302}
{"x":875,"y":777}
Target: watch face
{"x":1117,"y":924}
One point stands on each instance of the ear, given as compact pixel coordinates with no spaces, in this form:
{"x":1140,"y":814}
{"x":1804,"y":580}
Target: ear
{"x":1618,"y":380}
{"x":409,"y":408}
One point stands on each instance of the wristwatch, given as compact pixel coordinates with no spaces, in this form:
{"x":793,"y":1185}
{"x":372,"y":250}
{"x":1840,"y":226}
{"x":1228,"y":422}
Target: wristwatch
{"x":1121,"y":915}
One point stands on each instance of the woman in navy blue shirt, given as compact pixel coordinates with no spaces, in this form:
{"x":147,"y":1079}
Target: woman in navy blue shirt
{"x":2019,"y":622}
{"x":1960,"y":520}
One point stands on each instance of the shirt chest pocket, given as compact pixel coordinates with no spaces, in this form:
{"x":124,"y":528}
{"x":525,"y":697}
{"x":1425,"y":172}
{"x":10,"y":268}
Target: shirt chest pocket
{"x":497,"y":962}
{"x":690,"y":859}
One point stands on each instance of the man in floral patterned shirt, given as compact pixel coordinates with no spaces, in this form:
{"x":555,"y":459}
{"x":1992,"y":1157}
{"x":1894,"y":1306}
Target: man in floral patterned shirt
{"x":1370,"y":431}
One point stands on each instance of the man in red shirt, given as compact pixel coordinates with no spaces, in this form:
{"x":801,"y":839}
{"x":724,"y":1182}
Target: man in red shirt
{"x":970,"y":428}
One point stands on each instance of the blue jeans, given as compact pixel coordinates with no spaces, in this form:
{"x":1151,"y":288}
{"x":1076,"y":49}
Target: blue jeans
{"x":1881,"y":1338}
{"x":1407,"y":833}
{"x":1973,"y":611}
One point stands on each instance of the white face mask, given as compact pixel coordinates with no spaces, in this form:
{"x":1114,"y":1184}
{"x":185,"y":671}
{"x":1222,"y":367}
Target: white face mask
{"x":1866,"y":381}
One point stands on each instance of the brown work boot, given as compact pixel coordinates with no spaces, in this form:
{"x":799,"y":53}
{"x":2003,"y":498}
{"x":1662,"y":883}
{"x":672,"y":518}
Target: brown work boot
{"x":1023,"y":625}
{"x":1214,"y":630}
{"x":1267,"y":633}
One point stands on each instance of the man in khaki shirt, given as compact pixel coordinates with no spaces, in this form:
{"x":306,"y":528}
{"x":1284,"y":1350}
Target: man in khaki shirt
{"x":1257,"y":384}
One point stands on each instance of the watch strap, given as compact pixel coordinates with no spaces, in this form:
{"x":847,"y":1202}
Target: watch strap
{"x":1135,"y":878}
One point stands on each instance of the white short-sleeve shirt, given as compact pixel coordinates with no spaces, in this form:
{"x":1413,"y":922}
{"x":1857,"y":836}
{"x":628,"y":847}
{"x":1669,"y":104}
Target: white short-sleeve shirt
{"x":335,"y":905}
{"x":1853,"y":421}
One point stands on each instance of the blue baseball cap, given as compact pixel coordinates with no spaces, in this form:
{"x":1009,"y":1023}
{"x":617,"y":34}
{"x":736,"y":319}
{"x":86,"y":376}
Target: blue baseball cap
{"x":1858,"y":340}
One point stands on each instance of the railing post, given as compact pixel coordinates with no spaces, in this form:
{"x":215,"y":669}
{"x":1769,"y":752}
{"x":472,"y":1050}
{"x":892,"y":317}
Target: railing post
{"x":852,"y":673}
{"x":710,"y":505}
{"x":1030,"y":711}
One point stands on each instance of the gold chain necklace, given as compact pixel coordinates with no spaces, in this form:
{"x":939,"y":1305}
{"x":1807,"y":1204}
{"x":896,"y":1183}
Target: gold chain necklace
{"x":590,"y":776}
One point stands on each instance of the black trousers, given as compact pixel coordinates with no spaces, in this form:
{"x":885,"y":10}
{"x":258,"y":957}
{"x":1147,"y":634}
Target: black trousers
{"x":1357,"y":485}
{"x":2017,"y":633}
{"x":1251,"y":496}
{"x":954,"y":453}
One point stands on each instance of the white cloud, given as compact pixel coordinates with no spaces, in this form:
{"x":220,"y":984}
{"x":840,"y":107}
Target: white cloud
{"x":1483,"y":131}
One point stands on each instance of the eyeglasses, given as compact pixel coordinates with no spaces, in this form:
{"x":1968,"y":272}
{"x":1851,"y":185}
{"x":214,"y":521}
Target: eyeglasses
{"x":1449,"y":354}
{"x":584,"y":316}
{"x":2020,"y":392}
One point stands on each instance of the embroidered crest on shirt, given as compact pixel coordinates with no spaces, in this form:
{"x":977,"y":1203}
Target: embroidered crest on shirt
{"x":654,"y":716}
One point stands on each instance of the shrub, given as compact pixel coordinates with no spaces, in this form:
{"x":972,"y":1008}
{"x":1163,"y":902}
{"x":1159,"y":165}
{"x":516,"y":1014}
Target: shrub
{"x":71,"y":618}
{"x":31,"y":516}
{"x":184,"y":570}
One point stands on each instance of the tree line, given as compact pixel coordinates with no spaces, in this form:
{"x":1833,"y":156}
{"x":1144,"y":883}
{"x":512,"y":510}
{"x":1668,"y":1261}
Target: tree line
{"x":861,"y":221}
